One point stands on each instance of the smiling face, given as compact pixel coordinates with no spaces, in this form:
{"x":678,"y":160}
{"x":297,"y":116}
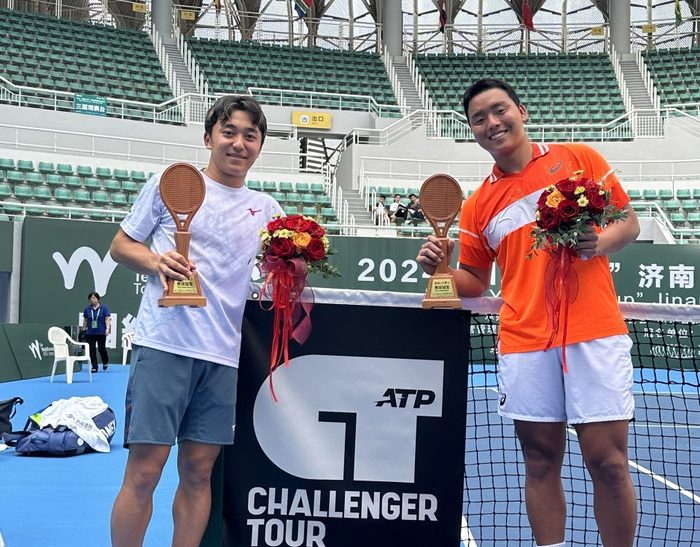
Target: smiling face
{"x":498,"y":123}
{"x":235,"y":145}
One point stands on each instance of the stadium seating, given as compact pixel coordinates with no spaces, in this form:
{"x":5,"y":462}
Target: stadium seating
{"x":60,"y":55}
{"x":561,"y":89}
{"x":252,"y":64}
{"x":676,"y":74}
{"x":307,"y":198}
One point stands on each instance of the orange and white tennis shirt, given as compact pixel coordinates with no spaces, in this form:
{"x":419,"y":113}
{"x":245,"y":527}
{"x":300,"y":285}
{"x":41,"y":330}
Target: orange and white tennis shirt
{"x":495,"y":226}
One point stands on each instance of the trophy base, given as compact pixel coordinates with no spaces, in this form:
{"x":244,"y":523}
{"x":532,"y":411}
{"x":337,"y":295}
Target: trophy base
{"x":175,"y":300}
{"x":441,"y":293}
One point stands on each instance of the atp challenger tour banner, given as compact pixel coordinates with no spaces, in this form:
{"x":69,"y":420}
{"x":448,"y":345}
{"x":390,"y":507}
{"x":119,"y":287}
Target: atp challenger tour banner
{"x":366,"y":443}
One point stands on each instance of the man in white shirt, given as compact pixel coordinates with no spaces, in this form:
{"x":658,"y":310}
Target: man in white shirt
{"x":182,"y":383}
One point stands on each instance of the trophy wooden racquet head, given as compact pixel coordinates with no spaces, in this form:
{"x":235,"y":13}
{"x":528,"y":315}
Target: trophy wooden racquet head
{"x":441,"y":199}
{"x":182,"y":190}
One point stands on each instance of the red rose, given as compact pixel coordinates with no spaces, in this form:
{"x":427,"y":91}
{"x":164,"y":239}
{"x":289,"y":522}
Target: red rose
{"x":596,"y":203}
{"x":315,"y":229}
{"x":589,"y":184}
{"x":304,"y":225}
{"x":274,"y":225}
{"x":549,"y":218}
{"x":292,"y":222}
{"x":543,"y":199}
{"x":568,"y":209}
{"x":282,"y":247}
{"x":315,"y":250}
{"x":567,"y":187}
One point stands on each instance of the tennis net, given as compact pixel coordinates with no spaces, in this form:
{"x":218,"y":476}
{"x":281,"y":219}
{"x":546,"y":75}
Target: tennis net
{"x":664,"y":442}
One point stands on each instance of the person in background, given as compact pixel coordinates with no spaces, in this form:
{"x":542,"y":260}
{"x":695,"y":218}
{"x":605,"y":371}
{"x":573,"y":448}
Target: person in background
{"x":97,"y":325}
{"x":379,"y":213}
{"x":415,"y":211}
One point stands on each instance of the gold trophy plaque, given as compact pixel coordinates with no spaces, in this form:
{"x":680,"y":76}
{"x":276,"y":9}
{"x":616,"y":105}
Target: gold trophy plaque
{"x":182,"y":190}
{"x":441,"y":199}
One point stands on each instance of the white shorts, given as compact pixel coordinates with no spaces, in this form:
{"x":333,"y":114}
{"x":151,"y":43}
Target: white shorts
{"x":597,"y":387}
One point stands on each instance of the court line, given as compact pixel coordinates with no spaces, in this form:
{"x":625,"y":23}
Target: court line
{"x":660,"y":478}
{"x":466,"y":537}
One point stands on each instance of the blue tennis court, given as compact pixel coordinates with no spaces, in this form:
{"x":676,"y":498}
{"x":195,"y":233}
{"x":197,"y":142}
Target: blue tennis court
{"x":664,"y":448}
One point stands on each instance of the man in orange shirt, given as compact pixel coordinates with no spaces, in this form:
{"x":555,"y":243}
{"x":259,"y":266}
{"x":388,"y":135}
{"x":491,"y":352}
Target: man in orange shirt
{"x":595,"y":395}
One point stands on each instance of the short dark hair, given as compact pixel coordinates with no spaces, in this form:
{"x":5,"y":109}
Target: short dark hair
{"x":484,"y":85}
{"x":225,"y":106}
{"x":95,"y":294}
{"x":412,"y":196}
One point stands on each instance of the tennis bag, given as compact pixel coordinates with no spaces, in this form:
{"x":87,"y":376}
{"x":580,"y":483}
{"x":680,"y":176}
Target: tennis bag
{"x":59,"y":441}
{"x":7,"y":411}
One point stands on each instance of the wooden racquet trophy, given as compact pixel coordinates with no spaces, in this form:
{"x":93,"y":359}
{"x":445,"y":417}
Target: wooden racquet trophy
{"x":182,"y":190}
{"x":441,"y":200}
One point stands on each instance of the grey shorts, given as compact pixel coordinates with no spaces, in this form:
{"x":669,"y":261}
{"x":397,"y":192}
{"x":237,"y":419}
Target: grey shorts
{"x":171,"y":398}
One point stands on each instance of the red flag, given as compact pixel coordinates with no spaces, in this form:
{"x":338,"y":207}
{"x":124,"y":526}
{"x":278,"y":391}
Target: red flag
{"x":443,"y":16}
{"x":527,"y":16}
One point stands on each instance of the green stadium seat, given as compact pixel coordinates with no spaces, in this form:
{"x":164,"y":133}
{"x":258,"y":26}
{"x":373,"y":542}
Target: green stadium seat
{"x":677,"y":218}
{"x":129,"y":186}
{"x":6,"y":164}
{"x":23,"y":192}
{"x":279,"y":197}
{"x":120,"y":174}
{"x":13,"y":208}
{"x":64,"y":169}
{"x":92,"y":183}
{"x":254,"y":185}
{"x":113,"y":185}
{"x":683,"y":193}
{"x":269,"y":186}
{"x":132,"y":198}
{"x":665,"y":194}
{"x":302,"y":187}
{"x":15,"y":177}
{"x":694,"y":219}
{"x":650,"y":195}
{"x":308,"y":200}
{"x":291,"y":210}
{"x":120,"y":199}
{"x":72,"y":181}
{"x":25,"y":165}
{"x":138,"y":176}
{"x":5,"y":191}
{"x":83,"y":171}
{"x":634,"y":194}
{"x":293,"y":197}
{"x":689,"y":204}
{"x":328,"y":214}
{"x":100,"y":197}
{"x":286,"y":187}
{"x":696,"y":193}
{"x":54,"y":180}
{"x":317,"y":188}
{"x":103,"y":172}
{"x":81,"y":195}
{"x":63,"y":195}
{"x":323,"y":201}
{"x":309,"y":212}
{"x":42,"y":193}
{"x":34,"y":178}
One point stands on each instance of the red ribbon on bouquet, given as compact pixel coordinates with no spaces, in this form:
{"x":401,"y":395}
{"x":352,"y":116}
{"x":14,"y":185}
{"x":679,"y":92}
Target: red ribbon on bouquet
{"x":285,"y":280}
{"x":561,"y":289}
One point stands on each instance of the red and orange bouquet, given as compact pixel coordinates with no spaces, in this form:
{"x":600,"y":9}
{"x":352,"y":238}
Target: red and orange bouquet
{"x":566,"y":210}
{"x":292,"y":247}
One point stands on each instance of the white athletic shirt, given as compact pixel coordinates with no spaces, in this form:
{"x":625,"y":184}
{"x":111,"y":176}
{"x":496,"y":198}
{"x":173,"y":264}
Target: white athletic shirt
{"x":223,"y":246}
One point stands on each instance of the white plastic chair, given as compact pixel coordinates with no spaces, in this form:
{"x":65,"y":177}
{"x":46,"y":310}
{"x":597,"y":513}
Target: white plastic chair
{"x":127,"y":337}
{"x":61,"y":352}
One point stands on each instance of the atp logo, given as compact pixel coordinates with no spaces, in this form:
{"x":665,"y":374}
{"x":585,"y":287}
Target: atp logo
{"x":342,"y":417}
{"x":102,"y":268}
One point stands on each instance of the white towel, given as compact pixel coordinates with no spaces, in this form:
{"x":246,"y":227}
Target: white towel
{"x":76,"y":414}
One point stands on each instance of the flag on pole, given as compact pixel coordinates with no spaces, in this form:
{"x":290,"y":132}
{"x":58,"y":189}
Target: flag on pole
{"x":679,"y":17}
{"x":302,"y":7}
{"x":527,"y":16}
{"x":443,"y":16}
{"x":217,"y":6}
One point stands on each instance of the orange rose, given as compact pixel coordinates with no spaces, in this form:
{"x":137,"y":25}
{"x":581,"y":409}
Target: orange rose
{"x":301,"y":240}
{"x":554,"y":199}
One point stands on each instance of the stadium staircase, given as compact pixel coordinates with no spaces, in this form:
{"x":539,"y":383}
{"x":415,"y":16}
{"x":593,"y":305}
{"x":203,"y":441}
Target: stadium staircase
{"x":183,"y":75}
{"x":408,"y":86}
{"x":635,"y":85}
